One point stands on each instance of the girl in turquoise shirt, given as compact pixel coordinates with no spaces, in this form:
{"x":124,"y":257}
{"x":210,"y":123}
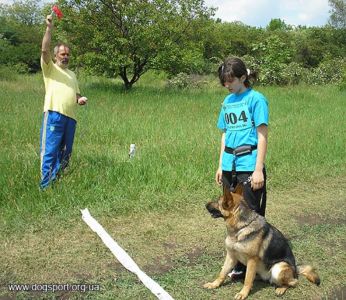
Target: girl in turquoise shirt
{"x":243,"y":120}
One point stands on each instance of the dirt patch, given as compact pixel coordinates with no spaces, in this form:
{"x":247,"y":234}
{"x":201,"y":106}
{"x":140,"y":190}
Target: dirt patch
{"x":40,"y":295}
{"x":338,"y":293}
{"x":163,"y":265}
{"x":114,"y":266}
{"x":194,"y":255}
{"x":82,"y":277}
{"x":314,"y":219}
{"x":168,"y":262}
{"x":65,"y":296}
{"x":6,"y":297}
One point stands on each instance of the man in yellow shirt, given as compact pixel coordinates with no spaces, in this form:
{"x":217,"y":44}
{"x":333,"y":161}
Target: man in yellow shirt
{"x":61,"y":98}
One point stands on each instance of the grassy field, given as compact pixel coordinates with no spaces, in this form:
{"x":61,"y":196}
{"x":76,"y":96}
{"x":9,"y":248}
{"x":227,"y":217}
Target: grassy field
{"x":153,"y":205}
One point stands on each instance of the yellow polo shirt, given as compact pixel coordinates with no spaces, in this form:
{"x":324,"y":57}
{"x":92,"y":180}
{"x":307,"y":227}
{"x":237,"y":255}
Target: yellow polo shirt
{"x":61,"y":89}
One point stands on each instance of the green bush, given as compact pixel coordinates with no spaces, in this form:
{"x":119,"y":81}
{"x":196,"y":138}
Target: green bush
{"x":7,"y":73}
{"x":183,"y":80}
{"x":342,"y":84}
{"x":179,"y":81}
{"x":294,"y":73}
{"x":211,"y":65}
{"x":329,"y":71}
{"x":272,"y":73}
{"x":251,"y":62}
{"x":21,"y":68}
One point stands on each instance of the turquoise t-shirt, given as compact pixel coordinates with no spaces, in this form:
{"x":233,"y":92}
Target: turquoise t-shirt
{"x":239,"y":116}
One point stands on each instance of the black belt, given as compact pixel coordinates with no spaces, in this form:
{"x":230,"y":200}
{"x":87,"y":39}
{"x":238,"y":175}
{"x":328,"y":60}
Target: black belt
{"x":241,"y":150}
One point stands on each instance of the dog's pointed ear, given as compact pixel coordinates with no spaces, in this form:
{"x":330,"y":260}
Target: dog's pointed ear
{"x":227,"y":189}
{"x":227,"y":196}
{"x":239,"y":189}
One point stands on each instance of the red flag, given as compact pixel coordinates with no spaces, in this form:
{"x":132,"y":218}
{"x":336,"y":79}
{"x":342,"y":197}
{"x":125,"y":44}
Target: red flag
{"x":56,"y":11}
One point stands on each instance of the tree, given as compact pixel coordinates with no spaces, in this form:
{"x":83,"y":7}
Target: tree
{"x":278,"y":24}
{"x":224,"y":39}
{"x":26,"y":12}
{"x":20,"y":35}
{"x":273,"y":54}
{"x":338,"y":13}
{"x":127,"y":38}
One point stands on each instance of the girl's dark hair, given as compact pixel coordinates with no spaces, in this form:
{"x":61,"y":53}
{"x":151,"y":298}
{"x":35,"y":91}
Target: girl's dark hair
{"x":234,"y":67}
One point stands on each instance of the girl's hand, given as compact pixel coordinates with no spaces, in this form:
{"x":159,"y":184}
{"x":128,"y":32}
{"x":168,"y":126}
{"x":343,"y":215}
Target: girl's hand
{"x":218,"y":176}
{"x":257,"y":180}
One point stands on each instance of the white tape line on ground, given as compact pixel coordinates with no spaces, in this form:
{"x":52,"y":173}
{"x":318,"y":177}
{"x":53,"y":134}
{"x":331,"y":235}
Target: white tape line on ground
{"x":123,"y":257}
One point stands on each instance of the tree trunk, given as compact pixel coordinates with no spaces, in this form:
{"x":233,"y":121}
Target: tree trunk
{"x":127,"y":84}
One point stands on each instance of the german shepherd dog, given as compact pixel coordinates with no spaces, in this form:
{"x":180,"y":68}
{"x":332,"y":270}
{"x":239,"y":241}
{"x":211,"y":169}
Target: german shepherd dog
{"x":255,"y":243}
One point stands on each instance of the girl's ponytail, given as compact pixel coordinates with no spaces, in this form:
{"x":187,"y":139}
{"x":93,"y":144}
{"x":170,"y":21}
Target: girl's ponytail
{"x":251,"y":77}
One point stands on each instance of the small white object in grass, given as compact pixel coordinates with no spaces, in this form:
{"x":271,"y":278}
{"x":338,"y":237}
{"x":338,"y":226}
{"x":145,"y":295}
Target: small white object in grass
{"x":132,"y":150}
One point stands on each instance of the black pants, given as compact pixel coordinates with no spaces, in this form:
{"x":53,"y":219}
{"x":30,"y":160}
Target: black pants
{"x":255,"y":199}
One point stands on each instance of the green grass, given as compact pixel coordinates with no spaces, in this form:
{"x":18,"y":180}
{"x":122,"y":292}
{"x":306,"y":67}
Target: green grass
{"x":153,"y":205}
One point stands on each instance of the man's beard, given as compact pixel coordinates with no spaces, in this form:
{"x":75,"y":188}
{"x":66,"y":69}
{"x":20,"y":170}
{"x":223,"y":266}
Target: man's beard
{"x":63,"y":63}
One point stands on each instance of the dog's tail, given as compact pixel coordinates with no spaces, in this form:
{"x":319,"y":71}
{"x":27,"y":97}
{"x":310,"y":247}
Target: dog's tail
{"x":310,"y":274}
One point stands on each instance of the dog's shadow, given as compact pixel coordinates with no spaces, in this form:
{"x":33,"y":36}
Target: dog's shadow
{"x":258,"y":285}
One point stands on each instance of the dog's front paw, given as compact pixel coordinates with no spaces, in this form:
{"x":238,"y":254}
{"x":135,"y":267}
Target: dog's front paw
{"x":241,"y":295}
{"x":212,"y":285}
{"x":280,"y":290}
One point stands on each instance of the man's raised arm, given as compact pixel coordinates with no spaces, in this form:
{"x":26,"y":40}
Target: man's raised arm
{"x":46,"y":40}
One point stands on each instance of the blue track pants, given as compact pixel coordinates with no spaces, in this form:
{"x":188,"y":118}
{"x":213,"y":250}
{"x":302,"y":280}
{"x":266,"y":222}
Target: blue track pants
{"x":57,"y":134}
